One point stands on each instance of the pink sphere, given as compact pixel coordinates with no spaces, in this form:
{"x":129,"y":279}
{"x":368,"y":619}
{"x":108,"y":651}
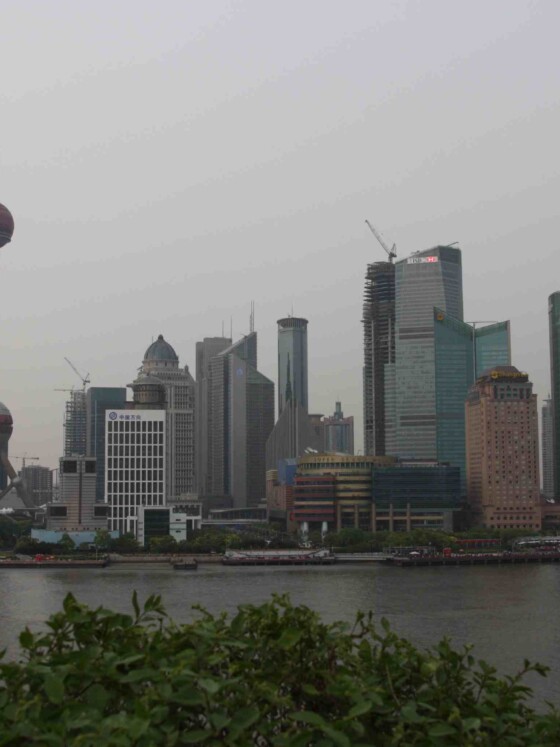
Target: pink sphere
{"x":6,"y":225}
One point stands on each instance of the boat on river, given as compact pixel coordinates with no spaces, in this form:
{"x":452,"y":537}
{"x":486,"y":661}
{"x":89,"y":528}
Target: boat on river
{"x":278,"y":557}
{"x":186,"y":565}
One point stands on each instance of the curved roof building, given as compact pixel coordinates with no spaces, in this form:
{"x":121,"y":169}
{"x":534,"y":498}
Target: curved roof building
{"x":6,"y":225}
{"x":161,"y":352}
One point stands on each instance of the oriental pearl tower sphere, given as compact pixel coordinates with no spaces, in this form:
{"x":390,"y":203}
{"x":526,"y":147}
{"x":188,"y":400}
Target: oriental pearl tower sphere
{"x":6,"y":428}
{"x":6,"y":226}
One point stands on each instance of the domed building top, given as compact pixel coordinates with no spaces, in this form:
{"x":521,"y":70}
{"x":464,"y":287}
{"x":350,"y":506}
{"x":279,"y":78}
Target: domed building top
{"x":6,"y":225}
{"x":4,"y":412}
{"x":160,"y":350}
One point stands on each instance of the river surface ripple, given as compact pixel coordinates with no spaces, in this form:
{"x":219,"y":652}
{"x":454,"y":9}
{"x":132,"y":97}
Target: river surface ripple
{"x":508,"y":613}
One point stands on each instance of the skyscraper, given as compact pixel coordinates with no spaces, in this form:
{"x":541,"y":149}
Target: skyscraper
{"x":339,"y":432}
{"x":75,"y":424}
{"x":242,"y":418}
{"x":99,"y":399}
{"x":427,"y":279}
{"x":554,"y":329}
{"x":462,"y":352}
{"x":209,"y":348}
{"x":38,"y":482}
{"x":379,"y":351}
{"x":547,"y":422}
{"x":292,"y":362}
{"x":161,"y":363}
{"x":503,"y":450}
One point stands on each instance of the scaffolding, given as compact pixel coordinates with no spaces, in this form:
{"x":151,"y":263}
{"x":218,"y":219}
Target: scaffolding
{"x":75,"y":424}
{"x":379,"y":350}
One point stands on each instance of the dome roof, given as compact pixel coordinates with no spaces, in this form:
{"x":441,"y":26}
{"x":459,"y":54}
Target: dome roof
{"x":160,"y":350}
{"x":5,"y":417}
{"x":6,"y":225}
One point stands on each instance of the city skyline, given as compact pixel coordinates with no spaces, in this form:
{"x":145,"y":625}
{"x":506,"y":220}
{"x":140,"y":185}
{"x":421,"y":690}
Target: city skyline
{"x":237,"y":198}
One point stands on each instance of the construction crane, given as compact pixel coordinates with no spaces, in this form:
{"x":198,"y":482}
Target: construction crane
{"x":24,"y":459}
{"x":392,"y":252}
{"x":84,"y":379}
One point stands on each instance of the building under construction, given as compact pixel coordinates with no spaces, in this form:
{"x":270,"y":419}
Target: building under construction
{"x":379,"y":351}
{"x":75,"y":424}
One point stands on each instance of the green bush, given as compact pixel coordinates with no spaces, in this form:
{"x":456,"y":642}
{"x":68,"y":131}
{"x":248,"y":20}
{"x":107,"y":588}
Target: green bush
{"x":272,"y":675}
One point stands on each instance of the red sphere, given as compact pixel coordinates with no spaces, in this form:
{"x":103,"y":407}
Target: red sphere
{"x":6,"y":225}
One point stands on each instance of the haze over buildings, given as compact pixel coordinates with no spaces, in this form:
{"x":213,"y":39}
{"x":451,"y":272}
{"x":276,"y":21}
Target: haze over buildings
{"x":242,"y":167}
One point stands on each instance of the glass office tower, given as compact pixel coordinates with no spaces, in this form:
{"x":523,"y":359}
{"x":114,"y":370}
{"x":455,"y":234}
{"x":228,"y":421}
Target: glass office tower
{"x":462,"y":353}
{"x":99,"y":399}
{"x":554,"y":328}
{"x":427,"y":279}
{"x":292,"y":362}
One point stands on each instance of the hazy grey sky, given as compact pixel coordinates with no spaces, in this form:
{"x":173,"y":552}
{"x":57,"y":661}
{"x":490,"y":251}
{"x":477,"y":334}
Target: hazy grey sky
{"x":168,"y":162}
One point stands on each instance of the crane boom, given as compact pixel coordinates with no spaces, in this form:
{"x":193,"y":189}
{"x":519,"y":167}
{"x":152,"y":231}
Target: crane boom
{"x":391,"y":252}
{"x":84,"y":379}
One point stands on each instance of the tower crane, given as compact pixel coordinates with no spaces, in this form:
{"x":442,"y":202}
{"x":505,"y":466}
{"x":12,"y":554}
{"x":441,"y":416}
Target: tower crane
{"x":84,"y":379}
{"x":392,"y":252}
{"x":24,"y":459}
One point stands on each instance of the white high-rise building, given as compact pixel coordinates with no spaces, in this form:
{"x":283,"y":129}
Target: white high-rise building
{"x":135,"y":474}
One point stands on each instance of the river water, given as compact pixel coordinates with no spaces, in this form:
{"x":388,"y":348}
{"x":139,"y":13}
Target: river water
{"x":507,"y":612}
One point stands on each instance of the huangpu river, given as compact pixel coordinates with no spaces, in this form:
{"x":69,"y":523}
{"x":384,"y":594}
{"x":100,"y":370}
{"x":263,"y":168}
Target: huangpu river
{"x":508,"y":613}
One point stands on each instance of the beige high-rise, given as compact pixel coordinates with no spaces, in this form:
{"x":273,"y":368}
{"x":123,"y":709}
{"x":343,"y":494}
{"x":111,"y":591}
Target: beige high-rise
{"x":503,"y":450}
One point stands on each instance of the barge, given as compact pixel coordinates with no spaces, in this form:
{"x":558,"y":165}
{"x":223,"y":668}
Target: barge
{"x":497,"y":558}
{"x":279,"y":557}
{"x":53,"y":563}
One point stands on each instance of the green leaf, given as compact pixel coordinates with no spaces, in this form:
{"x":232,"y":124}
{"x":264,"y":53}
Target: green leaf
{"x":409,"y":714}
{"x":289,"y":638}
{"x":243,"y":719}
{"x":442,"y":730}
{"x":471,"y":724}
{"x":54,"y":688}
{"x":337,"y":737}
{"x":359,"y":709}
{"x":308,"y":717}
{"x":97,"y":697}
{"x":26,"y":638}
{"x":195,"y":736}
{"x":211,"y":686}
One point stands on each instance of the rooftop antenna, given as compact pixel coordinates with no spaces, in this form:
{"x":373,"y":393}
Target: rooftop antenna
{"x":252,"y":318}
{"x":222,"y":327}
{"x":231,"y":327}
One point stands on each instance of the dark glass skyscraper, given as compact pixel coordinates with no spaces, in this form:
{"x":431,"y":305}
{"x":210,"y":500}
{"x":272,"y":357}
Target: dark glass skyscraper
{"x":99,"y":399}
{"x":292,"y":362}
{"x":554,"y":328}
{"x":379,"y":351}
{"x":462,"y":353}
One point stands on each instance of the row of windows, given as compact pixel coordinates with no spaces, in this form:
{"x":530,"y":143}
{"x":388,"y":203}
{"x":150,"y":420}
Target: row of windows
{"x":131,"y":438}
{"x":135,"y":462}
{"x":134,"y":487}
{"x":124,"y":451}
{"x":134,"y":426}
{"x":140,"y":475}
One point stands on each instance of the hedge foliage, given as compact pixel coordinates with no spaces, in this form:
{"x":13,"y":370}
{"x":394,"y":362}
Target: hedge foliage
{"x":272,"y":675}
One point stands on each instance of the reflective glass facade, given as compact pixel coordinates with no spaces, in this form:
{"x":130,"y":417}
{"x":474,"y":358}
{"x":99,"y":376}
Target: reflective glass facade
{"x":554,"y":327}
{"x":99,"y":399}
{"x":424,"y":280}
{"x":461,"y":354}
{"x":292,"y":362}
{"x":420,"y":486}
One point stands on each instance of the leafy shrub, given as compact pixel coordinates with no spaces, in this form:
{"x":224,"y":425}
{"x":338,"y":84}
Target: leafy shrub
{"x":272,"y":675}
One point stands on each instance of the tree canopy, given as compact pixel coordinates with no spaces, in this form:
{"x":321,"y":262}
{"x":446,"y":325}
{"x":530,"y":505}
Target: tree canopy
{"x":273,"y":675}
